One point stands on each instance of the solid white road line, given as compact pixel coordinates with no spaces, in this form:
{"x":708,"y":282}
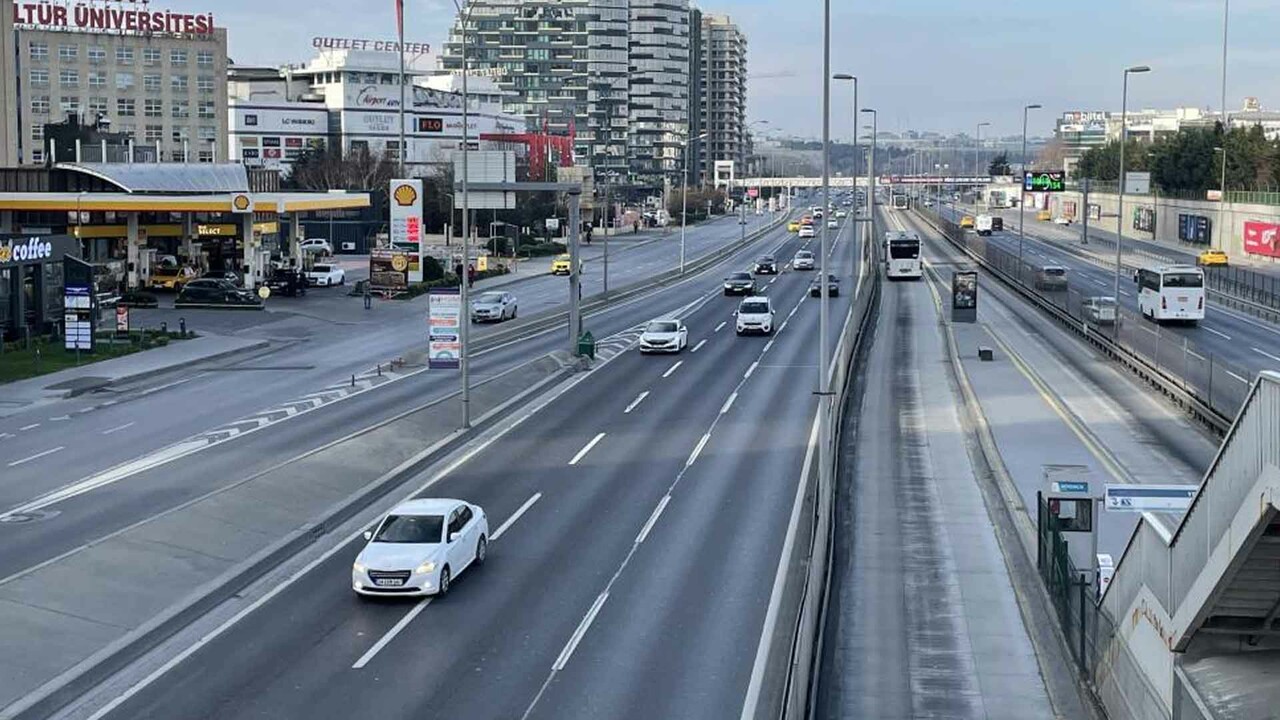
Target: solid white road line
{"x":1220,"y":334}
{"x":37,"y":456}
{"x":639,"y":399}
{"x":60,"y":418}
{"x":520,"y":511}
{"x":29,"y":427}
{"x":767,"y":346}
{"x":391,"y":634}
{"x":117,"y":428}
{"x":699,"y":345}
{"x":572,"y":645}
{"x":1266,"y":354}
{"x":672,"y":368}
{"x":644,"y":532}
{"x":720,"y":326}
{"x":697,"y":450}
{"x":783,"y":326}
{"x":750,"y":370}
{"x":1243,"y":380}
{"x":586,"y":449}
{"x":728,"y":403}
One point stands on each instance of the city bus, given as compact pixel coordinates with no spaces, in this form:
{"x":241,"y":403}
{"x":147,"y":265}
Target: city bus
{"x":1174,"y":292}
{"x":903,"y":255}
{"x":901,"y":202}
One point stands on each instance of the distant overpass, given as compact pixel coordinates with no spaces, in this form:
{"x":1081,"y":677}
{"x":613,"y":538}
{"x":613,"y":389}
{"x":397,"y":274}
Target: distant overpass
{"x":814,"y":182}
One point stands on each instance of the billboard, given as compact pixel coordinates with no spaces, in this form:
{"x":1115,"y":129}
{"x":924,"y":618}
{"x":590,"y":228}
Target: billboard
{"x":388,"y":270}
{"x":1194,"y":228}
{"x":1144,"y":218}
{"x":444,"y":328}
{"x":405,"y":224}
{"x":1052,"y":181}
{"x":1262,"y":238}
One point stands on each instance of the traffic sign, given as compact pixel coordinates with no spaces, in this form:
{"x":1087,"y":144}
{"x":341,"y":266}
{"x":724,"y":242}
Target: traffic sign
{"x":1071,"y":486}
{"x":1052,"y":181}
{"x":1143,"y":498}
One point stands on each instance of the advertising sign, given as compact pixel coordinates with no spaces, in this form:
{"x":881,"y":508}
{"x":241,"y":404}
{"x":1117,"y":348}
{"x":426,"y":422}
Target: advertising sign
{"x":109,"y":18}
{"x":1144,"y":218}
{"x":77,"y":304}
{"x":406,"y":223}
{"x":964,"y":297}
{"x":1095,"y":211}
{"x":1052,"y":181}
{"x":122,"y":319}
{"x":1194,"y":228}
{"x":1262,"y":238}
{"x":444,"y":328}
{"x":1137,"y":183}
{"x":387,"y":46}
{"x":430,"y":124}
{"x":388,"y":270}
{"x":1141,"y":498}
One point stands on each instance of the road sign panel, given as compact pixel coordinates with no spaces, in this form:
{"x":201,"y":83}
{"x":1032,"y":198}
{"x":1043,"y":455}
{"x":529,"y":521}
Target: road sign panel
{"x":1143,"y":498}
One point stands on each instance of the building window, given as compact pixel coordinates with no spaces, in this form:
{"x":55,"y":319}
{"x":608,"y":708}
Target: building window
{"x":204,"y":84}
{"x":126,"y":107}
{"x":178,"y":57}
{"x":97,"y":106}
{"x":151,"y":83}
{"x":205,"y":110}
{"x":39,"y":77}
{"x":124,"y":55}
{"x":204,"y":58}
{"x":181,"y":108}
{"x":153,"y":133}
{"x":68,"y":53}
{"x":180,"y":134}
{"x":150,"y":56}
{"x":97,"y":54}
{"x":205,"y":156}
{"x":37,"y":132}
{"x":207,"y":132}
{"x":97,"y":79}
{"x":124,"y":81}
{"x":70,"y":104}
{"x":38,"y":51}
{"x":152,"y":108}
{"x":178,"y":83}
{"x":69,"y":78}
{"x":40,"y":105}
{"x":177,"y":156}
{"x":37,"y":156}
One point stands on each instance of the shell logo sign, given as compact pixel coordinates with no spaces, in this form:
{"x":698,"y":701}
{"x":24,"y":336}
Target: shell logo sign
{"x":405,"y":195}
{"x":240,"y":203}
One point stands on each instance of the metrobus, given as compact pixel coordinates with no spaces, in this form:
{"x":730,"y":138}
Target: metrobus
{"x":901,"y":202}
{"x":903,"y":255}
{"x":1173,"y":292}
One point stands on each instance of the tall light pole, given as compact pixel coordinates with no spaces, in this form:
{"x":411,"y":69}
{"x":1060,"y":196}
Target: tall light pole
{"x":1222,"y":202}
{"x":824,"y":404}
{"x":1022,"y":195}
{"x":856,"y":156}
{"x":977,"y":149}
{"x":1124,"y":132}
{"x":684,"y":195}
{"x":871,"y":171}
{"x":400,"y":36}
{"x":464,"y":362}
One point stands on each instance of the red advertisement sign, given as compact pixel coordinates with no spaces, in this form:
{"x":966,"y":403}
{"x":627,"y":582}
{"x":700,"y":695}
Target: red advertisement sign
{"x":1262,"y":238}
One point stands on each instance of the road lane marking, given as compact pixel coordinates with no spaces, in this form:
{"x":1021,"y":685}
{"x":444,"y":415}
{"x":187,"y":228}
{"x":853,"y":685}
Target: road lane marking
{"x":766,"y":347}
{"x":720,"y":326}
{"x":653,"y":518}
{"x":576,"y":638}
{"x":520,"y":511}
{"x":391,"y":634}
{"x":639,"y":399}
{"x":728,"y":403}
{"x":697,"y":450}
{"x":60,"y":418}
{"x":1266,"y":354}
{"x":1222,"y":335}
{"x":6,"y":436}
{"x":37,"y":456}
{"x":1243,"y":380}
{"x":672,"y":368}
{"x":751,"y":369}
{"x":783,"y":326}
{"x":700,"y":344}
{"x":118,"y":428}
{"x":32,"y":426}
{"x":586,"y":449}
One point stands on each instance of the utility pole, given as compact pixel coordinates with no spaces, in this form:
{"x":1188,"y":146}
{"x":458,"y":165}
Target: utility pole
{"x":575,"y":282}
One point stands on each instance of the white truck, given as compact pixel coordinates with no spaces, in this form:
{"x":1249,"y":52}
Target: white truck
{"x":982,"y":225}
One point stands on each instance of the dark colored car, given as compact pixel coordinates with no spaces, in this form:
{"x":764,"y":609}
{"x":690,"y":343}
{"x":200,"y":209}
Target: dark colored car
{"x":997,"y":224}
{"x":766,"y":265}
{"x":740,"y":283}
{"x":213,"y":292}
{"x":288,"y":282}
{"x":833,"y":286}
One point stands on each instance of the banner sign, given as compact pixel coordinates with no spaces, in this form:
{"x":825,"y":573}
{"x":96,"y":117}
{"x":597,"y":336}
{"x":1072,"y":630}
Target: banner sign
{"x":444,"y":328}
{"x":406,"y":223}
{"x":1156,"y":498}
{"x":1262,"y":238}
{"x":388,"y":270}
{"x":1194,"y":228}
{"x":93,"y":18}
{"x":1144,"y":218}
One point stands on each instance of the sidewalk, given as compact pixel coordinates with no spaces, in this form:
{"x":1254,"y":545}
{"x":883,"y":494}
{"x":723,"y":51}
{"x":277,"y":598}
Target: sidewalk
{"x":23,"y":394}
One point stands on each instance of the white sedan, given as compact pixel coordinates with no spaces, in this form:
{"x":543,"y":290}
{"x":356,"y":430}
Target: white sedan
{"x":666,"y":335}
{"x":496,"y":306}
{"x":316,"y":245}
{"x":420,"y":548}
{"x":325,"y":275}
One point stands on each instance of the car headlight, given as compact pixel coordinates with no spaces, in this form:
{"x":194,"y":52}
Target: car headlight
{"x":358,"y":567}
{"x":425,"y":568}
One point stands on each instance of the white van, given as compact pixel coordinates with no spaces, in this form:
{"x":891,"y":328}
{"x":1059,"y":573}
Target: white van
{"x":983,"y":225}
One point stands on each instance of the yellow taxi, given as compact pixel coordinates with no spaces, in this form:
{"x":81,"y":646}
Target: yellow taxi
{"x":171,"y":277}
{"x":561,"y":264}
{"x":1211,"y":257}
{"x":793,"y":226}
{"x":966,"y":222}
{"x":1044,"y":215}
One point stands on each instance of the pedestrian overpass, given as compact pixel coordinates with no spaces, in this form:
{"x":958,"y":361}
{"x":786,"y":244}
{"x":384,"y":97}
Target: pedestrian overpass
{"x":788,"y":183}
{"x":1195,"y":614}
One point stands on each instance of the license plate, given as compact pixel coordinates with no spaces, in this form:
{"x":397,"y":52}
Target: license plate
{"x":1182,"y":298}
{"x":388,"y":582}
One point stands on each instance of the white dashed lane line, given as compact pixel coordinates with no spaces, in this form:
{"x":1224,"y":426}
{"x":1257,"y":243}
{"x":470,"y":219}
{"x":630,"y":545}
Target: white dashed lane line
{"x":586,"y":449}
{"x":639,"y":399}
{"x":37,"y":456}
{"x":698,"y":346}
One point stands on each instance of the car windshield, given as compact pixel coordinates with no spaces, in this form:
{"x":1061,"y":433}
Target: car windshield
{"x":1104,"y":302}
{"x":766,"y":259}
{"x":1183,"y":280}
{"x":740,"y":276}
{"x":489,"y":298}
{"x":804,"y":255}
{"x":1054,"y":271}
{"x":754,"y":308}
{"x":661,"y":326}
{"x":420,"y":529}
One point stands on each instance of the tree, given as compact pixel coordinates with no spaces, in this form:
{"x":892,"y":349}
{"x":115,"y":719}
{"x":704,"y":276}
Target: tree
{"x":698,"y":201}
{"x":1000,"y":165}
{"x":328,"y":168}
{"x":1103,"y":163}
{"x":1051,"y":156}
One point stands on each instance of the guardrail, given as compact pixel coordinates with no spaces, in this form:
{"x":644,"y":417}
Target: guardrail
{"x":1212,"y":403}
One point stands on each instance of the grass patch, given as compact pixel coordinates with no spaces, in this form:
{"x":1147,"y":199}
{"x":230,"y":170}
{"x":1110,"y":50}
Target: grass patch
{"x":44,"y":356}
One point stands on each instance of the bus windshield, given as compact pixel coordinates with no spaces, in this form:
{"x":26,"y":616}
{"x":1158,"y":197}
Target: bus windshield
{"x":1183,"y":280}
{"x":904,"y":249}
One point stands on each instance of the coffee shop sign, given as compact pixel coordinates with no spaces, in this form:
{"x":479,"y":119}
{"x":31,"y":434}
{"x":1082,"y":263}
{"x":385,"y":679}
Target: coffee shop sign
{"x":31,"y":251}
{"x":109,"y":18}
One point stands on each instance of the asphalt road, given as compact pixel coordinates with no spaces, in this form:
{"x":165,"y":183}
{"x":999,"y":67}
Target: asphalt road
{"x":635,"y":585}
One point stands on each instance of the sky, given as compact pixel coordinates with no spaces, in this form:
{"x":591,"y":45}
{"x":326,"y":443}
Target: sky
{"x":940,"y":65}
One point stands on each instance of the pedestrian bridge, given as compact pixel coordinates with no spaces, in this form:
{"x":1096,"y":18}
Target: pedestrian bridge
{"x":861,"y":181}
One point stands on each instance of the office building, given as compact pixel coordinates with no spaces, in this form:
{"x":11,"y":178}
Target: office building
{"x":8,"y":87}
{"x":659,"y":89}
{"x":722,"y":95}
{"x":158,"y":76}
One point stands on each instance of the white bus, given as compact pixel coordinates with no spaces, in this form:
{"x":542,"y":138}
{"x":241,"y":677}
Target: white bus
{"x":1174,"y":292}
{"x":903,"y":255}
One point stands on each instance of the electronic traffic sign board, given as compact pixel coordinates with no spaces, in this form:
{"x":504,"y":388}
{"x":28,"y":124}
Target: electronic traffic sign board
{"x":1053,"y":181}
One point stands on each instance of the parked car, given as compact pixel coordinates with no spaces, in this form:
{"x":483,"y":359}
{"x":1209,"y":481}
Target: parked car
{"x":740,"y":283}
{"x":1062,"y":220}
{"x":171,"y":277}
{"x":213,"y":292}
{"x":1100,"y":310}
{"x":664,"y":335}
{"x":316,"y":245}
{"x":325,"y":275}
{"x":287,"y":281}
{"x":494,"y":306}
{"x":1051,"y":277}
{"x":833,"y":286}
{"x":1212,"y":257}
{"x":420,"y":548}
{"x":230,"y":276}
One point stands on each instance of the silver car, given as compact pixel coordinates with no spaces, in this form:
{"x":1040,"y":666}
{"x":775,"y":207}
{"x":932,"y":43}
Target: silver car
{"x":493,"y":307}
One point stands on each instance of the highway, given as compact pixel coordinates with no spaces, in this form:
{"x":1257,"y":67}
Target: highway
{"x":633,"y":569}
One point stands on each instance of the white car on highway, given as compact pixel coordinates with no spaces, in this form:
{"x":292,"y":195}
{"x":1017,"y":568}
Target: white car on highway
{"x":755,"y":315}
{"x":664,"y":335}
{"x":803,"y":260}
{"x":495,"y":305}
{"x":325,"y":275}
{"x":420,"y":548}
{"x":833,"y":223}
{"x":806,"y":231}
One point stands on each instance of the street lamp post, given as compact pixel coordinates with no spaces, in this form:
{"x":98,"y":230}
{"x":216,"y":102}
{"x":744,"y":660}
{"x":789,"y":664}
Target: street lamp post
{"x":684,"y":195}
{"x":1222,"y":199}
{"x":1022,"y":193}
{"x":464,"y":361}
{"x":977,"y":149}
{"x":871,"y":170}
{"x":856,"y":156}
{"x":1124,"y":132}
